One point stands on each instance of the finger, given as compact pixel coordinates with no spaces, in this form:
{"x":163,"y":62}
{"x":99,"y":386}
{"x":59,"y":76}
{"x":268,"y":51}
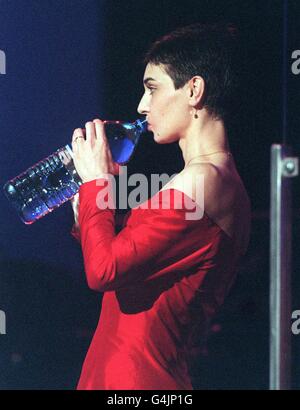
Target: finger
{"x":78,"y":134}
{"x":90,"y":131}
{"x":74,"y":148}
{"x":100,"y":131}
{"x":101,"y":137}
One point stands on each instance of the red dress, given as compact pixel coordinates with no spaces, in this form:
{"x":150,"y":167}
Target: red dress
{"x":163,"y":277}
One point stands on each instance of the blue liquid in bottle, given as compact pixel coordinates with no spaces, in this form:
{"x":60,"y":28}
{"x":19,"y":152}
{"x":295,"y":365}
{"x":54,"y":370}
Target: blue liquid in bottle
{"x":54,"y":180}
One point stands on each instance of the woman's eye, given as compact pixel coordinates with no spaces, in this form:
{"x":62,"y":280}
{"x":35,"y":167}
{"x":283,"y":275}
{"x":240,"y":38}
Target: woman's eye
{"x":151,"y":90}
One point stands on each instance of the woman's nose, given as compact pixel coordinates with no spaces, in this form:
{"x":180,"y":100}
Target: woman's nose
{"x":142,"y":107}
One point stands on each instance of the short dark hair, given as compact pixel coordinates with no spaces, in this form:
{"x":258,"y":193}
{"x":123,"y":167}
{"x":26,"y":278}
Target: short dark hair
{"x":208,"y":50}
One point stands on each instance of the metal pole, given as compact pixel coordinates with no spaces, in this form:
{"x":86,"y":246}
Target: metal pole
{"x":283,"y":167}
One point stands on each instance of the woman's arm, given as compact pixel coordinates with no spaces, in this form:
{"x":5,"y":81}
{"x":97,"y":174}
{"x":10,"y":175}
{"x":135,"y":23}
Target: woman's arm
{"x":141,"y":251}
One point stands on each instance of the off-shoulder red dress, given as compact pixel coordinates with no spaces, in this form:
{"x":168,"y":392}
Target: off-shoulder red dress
{"x":163,"y":277}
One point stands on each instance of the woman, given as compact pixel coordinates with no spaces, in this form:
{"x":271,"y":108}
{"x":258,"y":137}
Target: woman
{"x":165,"y":275}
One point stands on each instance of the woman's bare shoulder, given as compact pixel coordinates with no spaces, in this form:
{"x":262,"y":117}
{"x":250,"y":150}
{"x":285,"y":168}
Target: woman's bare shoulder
{"x":194,"y":176}
{"x":196,"y":181}
{"x":221,"y":189}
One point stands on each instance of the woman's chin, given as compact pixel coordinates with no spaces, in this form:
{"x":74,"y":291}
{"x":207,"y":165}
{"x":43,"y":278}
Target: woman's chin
{"x":158,"y":138}
{"x":163,"y":140}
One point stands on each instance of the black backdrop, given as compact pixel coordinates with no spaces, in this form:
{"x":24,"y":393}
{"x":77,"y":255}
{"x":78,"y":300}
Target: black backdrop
{"x":70,"y":61}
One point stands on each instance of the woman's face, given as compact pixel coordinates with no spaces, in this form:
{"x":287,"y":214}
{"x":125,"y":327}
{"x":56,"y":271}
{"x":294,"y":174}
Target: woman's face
{"x":166,"y":109}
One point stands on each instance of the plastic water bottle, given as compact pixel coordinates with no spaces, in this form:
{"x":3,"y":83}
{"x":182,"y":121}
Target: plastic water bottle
{"x":54,"y":180}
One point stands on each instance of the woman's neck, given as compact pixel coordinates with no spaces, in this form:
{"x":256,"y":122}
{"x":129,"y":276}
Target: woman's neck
{"x":204,"y":138}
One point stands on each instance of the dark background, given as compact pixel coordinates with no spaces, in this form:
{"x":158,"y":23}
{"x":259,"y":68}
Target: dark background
{"x":71,"y":61}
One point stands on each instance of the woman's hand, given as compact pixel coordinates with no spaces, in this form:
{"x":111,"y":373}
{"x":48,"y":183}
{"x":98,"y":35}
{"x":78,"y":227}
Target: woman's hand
{"x":92,"y":155}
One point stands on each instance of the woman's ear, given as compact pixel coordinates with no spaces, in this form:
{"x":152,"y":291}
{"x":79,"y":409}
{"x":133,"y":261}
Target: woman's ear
{"x":196,"y":90}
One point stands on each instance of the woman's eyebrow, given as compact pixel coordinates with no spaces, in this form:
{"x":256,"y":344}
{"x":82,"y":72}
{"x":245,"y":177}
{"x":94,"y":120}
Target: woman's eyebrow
{"x":148,"y":79}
